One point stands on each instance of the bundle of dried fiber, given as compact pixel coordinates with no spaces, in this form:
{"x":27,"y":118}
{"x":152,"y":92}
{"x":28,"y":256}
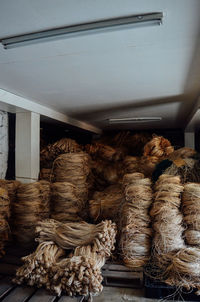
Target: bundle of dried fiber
{"x":182,"y":153}
{"x":106,"y":204}
{"x":73,"y":234}
{"x":65,"y":205}
{"x":183,"y":270}
{"x":11,"y":186}
{"x":80,"y":274}
{"x":45,"y":174}
{"x":148,"y":164}
{"x":45,"y":196}
{"x":159,"y":147}
{"x":64,"y":145}
{"x":36,"y":270}
{"x":191,"y":212}
{"x":31,"y":205}
{"x":4,"y":234}
{"x":188,"y":169}
{"x":167,"y":218}
{"x":135,"y":236}
{"x":73,"y":168}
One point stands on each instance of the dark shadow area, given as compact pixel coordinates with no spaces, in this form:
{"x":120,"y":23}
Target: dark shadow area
{"x":10,"y":173}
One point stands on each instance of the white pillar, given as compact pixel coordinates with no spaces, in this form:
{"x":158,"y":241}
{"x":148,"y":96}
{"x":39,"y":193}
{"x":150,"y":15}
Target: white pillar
{"x":3,"y":143}
{"x":189,"y":139}
{"x":27,"y":150}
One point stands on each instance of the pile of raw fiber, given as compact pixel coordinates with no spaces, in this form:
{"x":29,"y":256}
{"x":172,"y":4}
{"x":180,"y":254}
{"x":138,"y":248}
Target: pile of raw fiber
{"x":45,"y":196}
{"x":65,"y":205}
{"x":72,"y":234}
{"x":105,"y":152}
{"x":50,"y":152}
{"x":191,"y":212}
{"x":106,"y":204}
{"x":11,"y":186}
{"x":4,"y":216}
{"x":131,"y":164}
{"x":105,"y":173}
{"x":79,"y":274}
{"x":167,"y":219}
{"x":31,"y":205}
{"x":135,"y":237}
{"x":36,"y":270}
{"x":73,"y":168}
{"x":45,"y":174}
{"x":159,"y":147}
{"x":4,"y":203}
{"x":183,"y":270}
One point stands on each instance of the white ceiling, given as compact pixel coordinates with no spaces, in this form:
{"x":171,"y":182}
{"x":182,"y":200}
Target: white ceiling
{"x":145,"y":71}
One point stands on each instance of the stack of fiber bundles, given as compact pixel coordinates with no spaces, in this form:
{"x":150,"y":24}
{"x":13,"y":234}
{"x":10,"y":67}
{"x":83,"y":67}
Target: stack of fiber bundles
{"x":106,"y":204}
{"x":73,"y":168}
{"x":4,"y":216}
{"x":31,"y":206}
{"x":135,"y":237}
{"x":191,"y":212}
{"x":167,"y":218}
{"x":65,"y":204}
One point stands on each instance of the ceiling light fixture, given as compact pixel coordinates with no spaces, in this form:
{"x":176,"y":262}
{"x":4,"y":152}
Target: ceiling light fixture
{"x":82,"y":28}
{"x":133,"y":120}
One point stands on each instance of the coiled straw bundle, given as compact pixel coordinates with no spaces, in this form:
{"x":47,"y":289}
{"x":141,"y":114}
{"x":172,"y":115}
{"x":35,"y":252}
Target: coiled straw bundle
{"x":36,"y":270}
{"x":73,"y":234}
{"x":32,"y":205}
{"x":73,"y":168}
{"x":135,"y":237}
{"x":65,"y":205}
{"x":191,"y":212}
{"x":106,"y":204}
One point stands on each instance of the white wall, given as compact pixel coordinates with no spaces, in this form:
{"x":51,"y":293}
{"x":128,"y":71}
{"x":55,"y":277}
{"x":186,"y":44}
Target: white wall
{"x":3,"y":143}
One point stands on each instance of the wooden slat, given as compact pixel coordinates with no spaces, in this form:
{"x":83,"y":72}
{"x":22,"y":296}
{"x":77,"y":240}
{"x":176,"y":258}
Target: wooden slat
{"x":41,"y":295}
{"x":6,"y":286}
{"x":68,"y":299}
{"x":8,"y":269}
{"x":19,"y":294}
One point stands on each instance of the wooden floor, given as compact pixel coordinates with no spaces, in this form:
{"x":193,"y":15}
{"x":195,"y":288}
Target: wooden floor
{"x":10,"y":292}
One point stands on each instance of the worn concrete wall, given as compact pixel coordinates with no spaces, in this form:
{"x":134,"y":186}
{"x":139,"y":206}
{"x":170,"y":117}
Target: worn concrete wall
{"x":3,"y":143}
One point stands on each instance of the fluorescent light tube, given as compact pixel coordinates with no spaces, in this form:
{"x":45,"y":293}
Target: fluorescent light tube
{"x":134,"y":120}
{"x":82,"y":28}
